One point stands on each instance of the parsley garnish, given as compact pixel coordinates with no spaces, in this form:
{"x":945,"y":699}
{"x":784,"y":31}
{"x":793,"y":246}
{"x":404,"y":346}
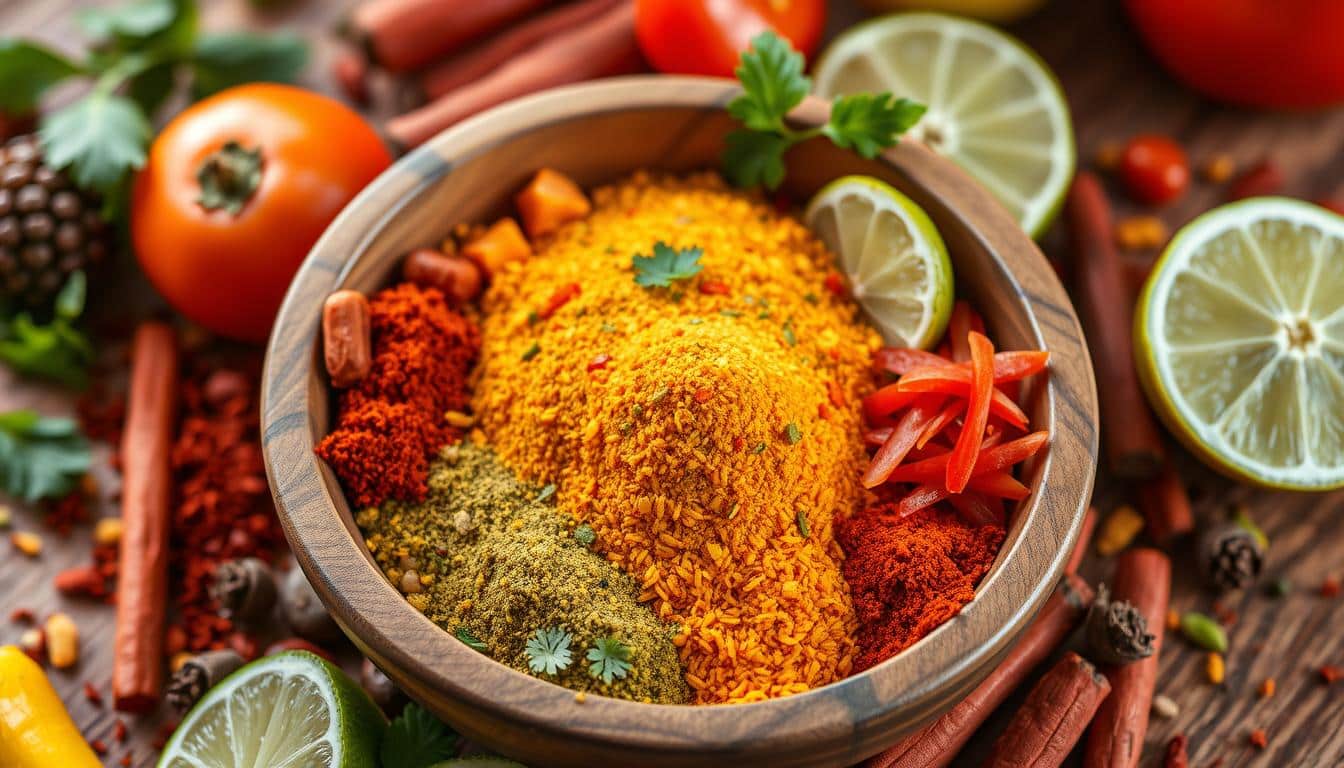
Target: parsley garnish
{"x":470,"y":640}
{"x":41,"y":458}
{"x":792,"y":433}
{"x":416,"y":739}
{"x":585,"y":535}
{"x":57,"y":350}
{"x":773,"y":83}
{"x":548,"y":651}
{"x":531,"y":351}
{"x":803,"y":530}
{"x":609,"y":659}
{"x":666,"y":265}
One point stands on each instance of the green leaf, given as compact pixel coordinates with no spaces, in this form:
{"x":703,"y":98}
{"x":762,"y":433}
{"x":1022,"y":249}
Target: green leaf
{"x":41,"y":458}
{"x":232,"y":58}
{"x":751,"y":158}
{"x":151,"y":88}
{"x":773,"y":83}
{"x":869,"y":123}
{"x":98,"y":140}
{"x":548,"y":651}
{"x":70,"y":300}
{"x":666,"y":265}
{"x":470,"y":640}
{"x":56,"y":351}
{"x":164,"y":27}
{"x":609,"y":659}
{"x":26,"y":71}
{"x":416,"y":739}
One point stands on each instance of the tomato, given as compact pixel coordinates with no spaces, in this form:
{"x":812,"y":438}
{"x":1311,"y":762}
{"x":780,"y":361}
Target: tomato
{"x":706,"y":37}
{"x":1261,"y":53}
{"x":236,"y":190}
{"x":1154,"y":169}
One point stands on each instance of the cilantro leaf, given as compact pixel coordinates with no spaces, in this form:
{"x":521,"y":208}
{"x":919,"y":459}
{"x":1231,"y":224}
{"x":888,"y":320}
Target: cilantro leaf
{"x":470,"y":640}
{"x":166,"y":27}
{"x":98,"y":139}
{"x":773,"y":83}
{"x":26,"y":71}
{"x":70,"y":299}
{"x":869,"y":123}
{"x":416,"y":739}
{"x":55,"y":351}
{"x":609,"y":659}
{"x":548,"y":650}
{"x":41,"y":458}
{"x":232,"y":58}
{"x":666,"y":264}
{"x":751,"y":158}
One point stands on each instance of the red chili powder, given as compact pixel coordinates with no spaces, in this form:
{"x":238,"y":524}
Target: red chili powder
{"x":391,"y":423}
{"x":907,"y":576}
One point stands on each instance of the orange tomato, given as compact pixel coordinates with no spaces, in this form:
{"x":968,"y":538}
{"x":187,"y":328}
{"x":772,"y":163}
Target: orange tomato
{"x":706,"y":37}
{"x":236,"y":190}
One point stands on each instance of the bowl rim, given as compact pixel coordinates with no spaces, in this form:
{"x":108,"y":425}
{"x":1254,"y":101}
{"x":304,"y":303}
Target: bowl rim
{"x":366,"y":605}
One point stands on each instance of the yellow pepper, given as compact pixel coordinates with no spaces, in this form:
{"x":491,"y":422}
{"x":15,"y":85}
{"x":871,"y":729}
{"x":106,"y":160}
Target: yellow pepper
{"x":35,"y":729}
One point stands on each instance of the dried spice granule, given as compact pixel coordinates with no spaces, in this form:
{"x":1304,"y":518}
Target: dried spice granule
{"x":1258,"y":738}
{"x":1267,"y":688}
{"x":1331,"y":674}
{"x":1330,"y":587}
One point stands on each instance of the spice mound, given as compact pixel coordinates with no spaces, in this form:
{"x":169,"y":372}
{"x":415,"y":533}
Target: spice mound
{"x":703,"y":423}
{"x":909,"y":575}
{"x":391,"y":422}
{"x":489,"y":559}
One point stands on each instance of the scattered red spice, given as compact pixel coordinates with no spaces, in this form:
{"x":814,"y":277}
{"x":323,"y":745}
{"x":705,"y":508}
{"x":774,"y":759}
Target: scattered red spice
{"x":98,"y":747}
{"x":63,"y":514}
{"x":562,"y":296}
{"x":1330,"y":587}
{"x":835,"y":394}
{"x":1331,"y":674}
{"x":739,"y":443}
{"x":244,"y":645}
{"x":91,"y":693}
{"x":835,"y":283}
{"x":391,"y":422}
{"x":22,"y":616}
{"x":125,"y":761}
{"x":714,"y":288}
{"x":1258,"y":738}
{"x":599,"y":362}
{"x":1224,"y":614}
{"x":909,"y":575}
{"x":1177,"y":756}
{"x":702,"y":395}
{"x":81,"y":581}
{"x":119,"y":731}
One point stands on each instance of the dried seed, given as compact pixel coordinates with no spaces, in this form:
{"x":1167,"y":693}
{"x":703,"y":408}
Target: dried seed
{"x":108,"y":531}
{"x":1267,"y":688}
{"x":1164,"y":707}
{"x":1258,"y":738}
{"x":62,"y":641}
{"x":1203,"y":631}
{"x":1219,"y":168}
{"x":1214,"y":668}
{"x":27,"y":542}
{"x":1118,"y":530}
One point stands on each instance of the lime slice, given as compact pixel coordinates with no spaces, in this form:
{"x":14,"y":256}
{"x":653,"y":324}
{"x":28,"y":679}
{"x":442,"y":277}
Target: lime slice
{"x":1239,"y":340}
{"x":993,"y":106}
{"x":291,"y":710}
{"x":896,"y":262}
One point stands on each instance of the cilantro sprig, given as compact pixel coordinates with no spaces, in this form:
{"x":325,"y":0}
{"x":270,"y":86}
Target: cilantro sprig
{"x":609,"y":659}
{"x":41,"y":458}
{"x":138,"y":53}
{"x":416,"y":739}
{"x":771,"y":73}
{"x":56,"y":350}
{"x":548,"y":651}
{"x":667,"y":264}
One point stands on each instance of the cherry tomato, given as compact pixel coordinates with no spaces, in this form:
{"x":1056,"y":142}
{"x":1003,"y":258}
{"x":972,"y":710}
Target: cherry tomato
{"x":1260,"y":53}
{"x":1154,"y":169}
{"x":706,"y":37}
{"x":236,"y":190}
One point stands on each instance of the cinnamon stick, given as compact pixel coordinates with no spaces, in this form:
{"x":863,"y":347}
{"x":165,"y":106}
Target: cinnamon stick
{"x":937,"y":744}
{"x":402,"y":35}
{"x":1166,"y":506}
{"x":1143,"y":578}
{"x":1053,"y":717}
{"x":603,"y":47}
{"x":142,"y":589}
{"x":1133,"y":443}
{"x":481,"y":60}
{"x":1084,"y":541}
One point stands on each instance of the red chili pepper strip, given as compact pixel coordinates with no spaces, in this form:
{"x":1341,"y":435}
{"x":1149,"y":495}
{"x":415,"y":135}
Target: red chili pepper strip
{"x":874,"y":438}
{"x":991,"y":459}
{"x":900,"y":360}
{"x":1008,"y":366}
{"x":562,"y":296}
{"x":950,"y":380}
{"x":967,"y":449}
{"x":901,"y":440}
{"x":976,"y":509}
{"x":879,"y":407}
{"x":958,"y":331}
{"x":949,"y":413}
{"x":999,"y":484}
{"x":923,"y":497}
{"x":714,"y":288}
{"x":1019,"y":364}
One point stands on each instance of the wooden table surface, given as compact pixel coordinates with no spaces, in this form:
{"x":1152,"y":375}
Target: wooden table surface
{"x":1114,"y":90}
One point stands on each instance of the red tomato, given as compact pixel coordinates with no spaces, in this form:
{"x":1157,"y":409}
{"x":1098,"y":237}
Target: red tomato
{"x":236,"y":190}
{"x":1154,"y":169}
{"x":706,"y":37}
{"x":1261,"y":53}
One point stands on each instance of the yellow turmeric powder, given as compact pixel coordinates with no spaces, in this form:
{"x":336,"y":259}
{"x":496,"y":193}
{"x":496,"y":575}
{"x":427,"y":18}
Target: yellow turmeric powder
{"x":707,"y":431}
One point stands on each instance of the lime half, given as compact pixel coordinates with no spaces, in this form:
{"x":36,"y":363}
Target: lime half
{"x":1239,"y":340}
{"x":895,"y":260}
{"x":291,"y":710}
{"x":993,"y":106}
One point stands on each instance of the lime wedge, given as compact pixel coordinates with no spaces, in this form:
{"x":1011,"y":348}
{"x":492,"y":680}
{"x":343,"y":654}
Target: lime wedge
{"x":895,"y":260}
{"x":1239,"y":341}
{"x":993,"y":106}
{"x":291,"y":710}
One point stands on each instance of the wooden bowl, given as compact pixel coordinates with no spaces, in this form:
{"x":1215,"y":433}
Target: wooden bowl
{"x":597,"y":133}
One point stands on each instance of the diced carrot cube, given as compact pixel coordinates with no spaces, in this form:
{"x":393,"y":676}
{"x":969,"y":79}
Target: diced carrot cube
{"x":550,"y":201}
{"x":500,"y":245}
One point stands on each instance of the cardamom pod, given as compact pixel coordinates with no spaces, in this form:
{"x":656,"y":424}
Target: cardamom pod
{"x":1203,"y":631}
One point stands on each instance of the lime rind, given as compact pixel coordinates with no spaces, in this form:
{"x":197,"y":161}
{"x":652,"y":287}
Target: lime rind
{"x":1303,"y":385}
{"x":998,"y":145}
{"x":898,"y":269}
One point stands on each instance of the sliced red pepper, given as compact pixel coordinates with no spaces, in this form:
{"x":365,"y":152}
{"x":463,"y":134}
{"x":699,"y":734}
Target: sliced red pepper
{"x":946,"y":416}
{"x":999,"y":484}
{"x":562,"y":296}
{"x":1008,"y":366}
{"x":879,"y":407}
{"x":958,"y":331}
{"x":921,"y":498}
{"x":876,"y":437}
{"x":991,"y":459}
{"x":714,"y":288}
{"x":976,"y":509}
{"x":900,"y":441}
{"x":898,"y":360}
{"x":967,"y":449}
{"x":956,"y":381}
{"x":1019,"y":364}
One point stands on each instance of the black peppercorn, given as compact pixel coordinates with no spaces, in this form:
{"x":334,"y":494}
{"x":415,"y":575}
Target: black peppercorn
{"x":1116,"y":632}
{"x":245,"y":590}
{"x":1230,"y":556}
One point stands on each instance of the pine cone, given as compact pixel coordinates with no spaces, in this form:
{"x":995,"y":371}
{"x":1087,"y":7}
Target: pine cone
{"x":48,"y":228}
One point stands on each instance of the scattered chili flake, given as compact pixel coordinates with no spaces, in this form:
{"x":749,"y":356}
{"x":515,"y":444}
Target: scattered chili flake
{"x":1225,"y":615}
{"x":703,"y":395}
{"x":835,"y":393}
{"x":1258,"y":738}
{"x":1176,"y":756}
{"x":1173,"y":619}
{"x":119,"y":731}
{"x":738,"y":444}
{"x":1267,"y":688}
{"x":599,"y":362}
{"x":98,"y":747}
{"x":91,"y":693}
{"x":1331,"y":674}
{"x":562,"y":296}
{"x":125,"y":761}
{"x":1330,"y":587}
{"x":714,"y":288}
{"x":835,"y":283}
{"x":823,"y":412}
{"x":531,"y":351}
{"x":22,"y":616}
